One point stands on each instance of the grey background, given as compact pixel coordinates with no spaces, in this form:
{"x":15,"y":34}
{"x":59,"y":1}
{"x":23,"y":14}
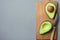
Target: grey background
{"x":17,"y":20}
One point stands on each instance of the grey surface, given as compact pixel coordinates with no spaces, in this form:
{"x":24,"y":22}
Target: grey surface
{"x":17,"y":20}
{"x":59,"y":20}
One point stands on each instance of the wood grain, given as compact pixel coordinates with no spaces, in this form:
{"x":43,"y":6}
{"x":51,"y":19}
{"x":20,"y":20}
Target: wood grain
{"x":40,"y":17}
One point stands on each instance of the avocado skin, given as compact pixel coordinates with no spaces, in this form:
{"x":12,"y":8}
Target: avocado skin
{"x":48,"y":30}
{"x":51,"y":12}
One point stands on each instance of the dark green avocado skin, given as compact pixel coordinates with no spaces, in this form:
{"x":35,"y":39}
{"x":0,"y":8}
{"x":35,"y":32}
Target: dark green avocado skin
{"x":48,"y":30}
{"x":54,"y":12}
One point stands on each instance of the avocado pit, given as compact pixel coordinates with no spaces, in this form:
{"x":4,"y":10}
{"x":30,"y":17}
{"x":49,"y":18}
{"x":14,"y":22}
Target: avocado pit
{"x":50,"y":8}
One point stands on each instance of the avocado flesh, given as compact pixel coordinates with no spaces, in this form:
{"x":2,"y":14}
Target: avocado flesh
{"x":45,"y":27}
{"x":50,"y":14}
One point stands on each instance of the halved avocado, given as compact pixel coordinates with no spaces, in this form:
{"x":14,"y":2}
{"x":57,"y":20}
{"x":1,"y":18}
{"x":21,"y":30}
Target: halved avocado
{"x":45,"y":27}
{"x":50,"y":9}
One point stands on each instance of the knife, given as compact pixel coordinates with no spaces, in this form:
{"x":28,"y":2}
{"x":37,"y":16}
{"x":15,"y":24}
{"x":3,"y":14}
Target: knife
{"x":56,"y":19}
{"x":55,"y":23}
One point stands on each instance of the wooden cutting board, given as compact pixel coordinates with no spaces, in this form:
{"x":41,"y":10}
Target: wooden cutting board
{"x":40,"y":17}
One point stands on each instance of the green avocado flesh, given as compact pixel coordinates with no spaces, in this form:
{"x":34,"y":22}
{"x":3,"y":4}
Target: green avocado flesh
{"x":45,"y":27}
{"x":50,"y":14}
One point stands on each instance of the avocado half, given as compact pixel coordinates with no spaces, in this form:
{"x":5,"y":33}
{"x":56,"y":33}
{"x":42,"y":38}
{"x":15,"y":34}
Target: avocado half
{"x":45,"y":27}
{"x":50,"y":14}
